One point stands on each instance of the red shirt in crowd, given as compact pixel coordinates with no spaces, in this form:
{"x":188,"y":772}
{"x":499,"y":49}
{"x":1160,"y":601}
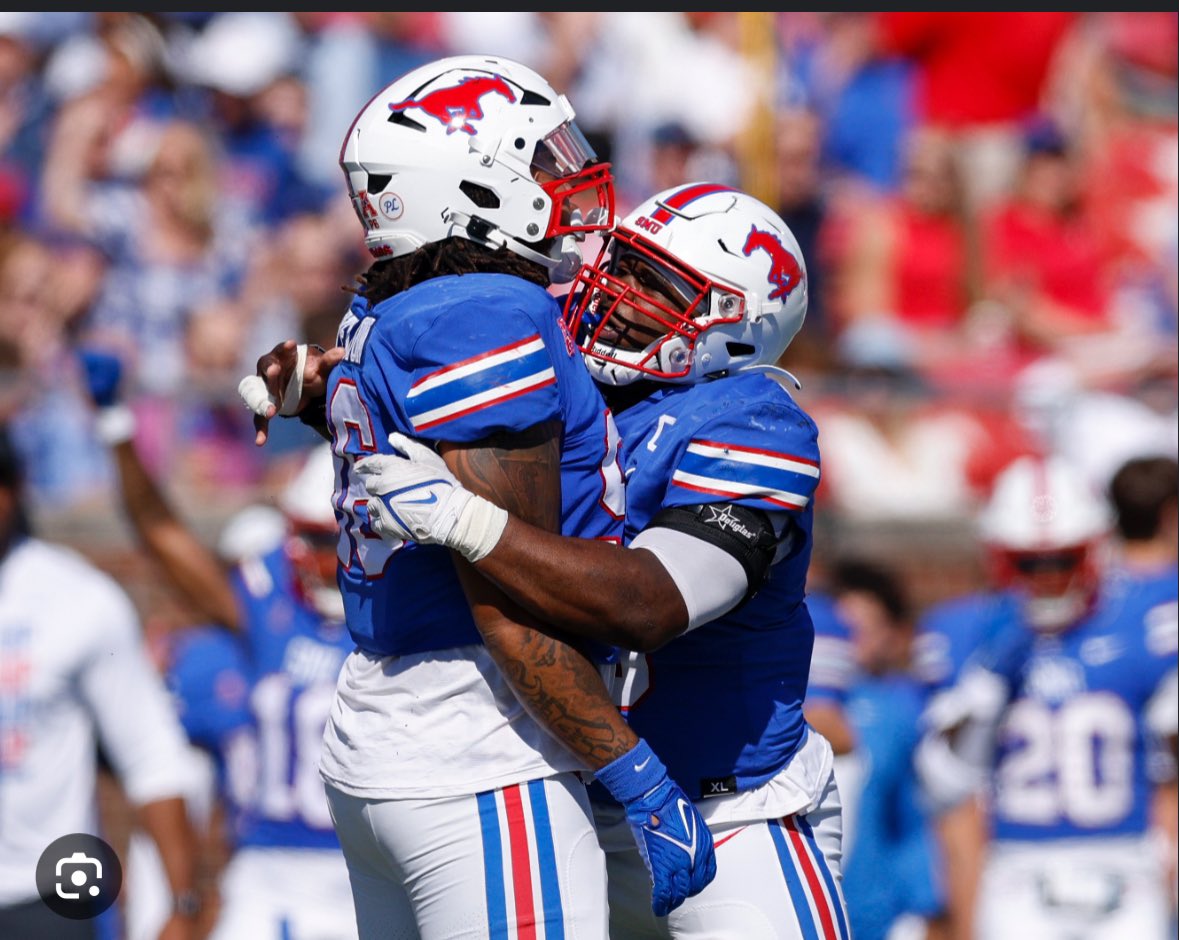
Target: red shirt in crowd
{"x":976,"y":67}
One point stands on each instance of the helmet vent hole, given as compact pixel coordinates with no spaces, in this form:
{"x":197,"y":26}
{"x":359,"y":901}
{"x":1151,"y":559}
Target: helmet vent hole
{"x":737,"y":350}
{"x":377,"y":182}
{"x":397,"y":117}
{"x":531,"y":97}
{"x":481,"y":196}
{"x":519,"y":143}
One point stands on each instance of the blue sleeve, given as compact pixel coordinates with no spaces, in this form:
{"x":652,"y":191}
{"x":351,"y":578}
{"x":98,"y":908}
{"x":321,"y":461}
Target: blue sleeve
{"x":950,"y":632}
{"x":763,"y":454}
{"x":832,"y":663}
{"x":209,"y":680}
{"x":474,"y":373}
{"x":1006,"y":651}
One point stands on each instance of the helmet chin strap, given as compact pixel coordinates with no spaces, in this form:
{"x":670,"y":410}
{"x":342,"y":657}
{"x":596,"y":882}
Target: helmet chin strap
{"x":561,"y":269}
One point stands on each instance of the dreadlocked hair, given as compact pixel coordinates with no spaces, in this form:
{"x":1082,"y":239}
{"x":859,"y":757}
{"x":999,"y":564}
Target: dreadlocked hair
{"x":390,"y":276}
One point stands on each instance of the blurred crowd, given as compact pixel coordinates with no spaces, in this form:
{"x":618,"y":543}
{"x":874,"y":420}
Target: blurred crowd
{"x":988,"y":206}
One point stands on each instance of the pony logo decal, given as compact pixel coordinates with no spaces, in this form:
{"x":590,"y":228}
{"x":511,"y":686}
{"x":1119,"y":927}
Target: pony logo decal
{"x":785,"y":273}
{"x":458,"y":105}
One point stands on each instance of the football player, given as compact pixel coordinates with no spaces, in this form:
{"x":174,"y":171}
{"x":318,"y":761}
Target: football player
{"x":454,"y":748}
{"x":694,"y":297}
{"x":1057,"y":713}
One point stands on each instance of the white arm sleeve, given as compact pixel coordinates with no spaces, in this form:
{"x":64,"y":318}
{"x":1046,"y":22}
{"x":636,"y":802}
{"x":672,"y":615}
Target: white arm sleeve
{"x":132,"y":709}
{"x":710,"y":580}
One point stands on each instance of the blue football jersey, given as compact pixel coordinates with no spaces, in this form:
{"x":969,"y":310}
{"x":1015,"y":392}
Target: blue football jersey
{"x":832,"y":660}
{"x":1073,"y":749}
{"x":456,"y":359}
{"x":949,"y":632}
{"x":893,"y":832}
{"x":722,"y":704}
{"x":294,"y":655}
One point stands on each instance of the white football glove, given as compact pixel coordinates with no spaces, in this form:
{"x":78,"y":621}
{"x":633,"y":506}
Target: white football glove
{"x":416,"y":498}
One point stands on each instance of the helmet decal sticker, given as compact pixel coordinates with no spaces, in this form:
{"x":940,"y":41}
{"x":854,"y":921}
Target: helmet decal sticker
{"x":785,"y":273}
{"x":391,"y":206}
{"x":459,"y":105}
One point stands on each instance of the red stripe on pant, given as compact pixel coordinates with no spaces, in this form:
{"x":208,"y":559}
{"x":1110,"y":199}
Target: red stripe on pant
{"x":812,"y":878}
{"x":521,"y":866}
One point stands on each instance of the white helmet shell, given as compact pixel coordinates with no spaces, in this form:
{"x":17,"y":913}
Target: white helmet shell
{"x":453,"y":148}
{"x":1043,"y":525}
{"x":738,"y":273}
{"x":313,"y":537}
{"x":1042,"y":505}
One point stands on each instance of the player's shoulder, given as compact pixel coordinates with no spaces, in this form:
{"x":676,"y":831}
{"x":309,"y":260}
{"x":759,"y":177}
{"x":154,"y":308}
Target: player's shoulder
{"x":48,"y":565}
{"x":204,"y":648}
{"x":1152,"y":619}
{"x":754,"y":406}
{"x":824,"y":616}
{"x":484,"y":320}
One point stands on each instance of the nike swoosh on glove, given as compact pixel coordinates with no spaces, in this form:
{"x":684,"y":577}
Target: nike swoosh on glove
{"x":416,"y":498}
{"x":672,"y":837}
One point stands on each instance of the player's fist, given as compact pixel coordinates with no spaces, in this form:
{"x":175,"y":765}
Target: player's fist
{"x":672,"y":837}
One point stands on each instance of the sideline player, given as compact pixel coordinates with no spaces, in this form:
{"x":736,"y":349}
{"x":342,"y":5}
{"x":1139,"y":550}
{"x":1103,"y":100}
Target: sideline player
{"x":1057,"y":713}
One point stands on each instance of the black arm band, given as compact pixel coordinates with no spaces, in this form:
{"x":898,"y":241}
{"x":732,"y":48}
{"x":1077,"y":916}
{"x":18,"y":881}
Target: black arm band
{"x":746,"y":534}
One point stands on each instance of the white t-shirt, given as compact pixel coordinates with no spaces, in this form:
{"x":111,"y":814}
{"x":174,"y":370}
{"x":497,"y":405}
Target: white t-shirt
{"x":72,"y":665}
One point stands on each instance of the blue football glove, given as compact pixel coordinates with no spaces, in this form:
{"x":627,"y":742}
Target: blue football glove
{"x":673,"y":839}
{"x":103,"y":373}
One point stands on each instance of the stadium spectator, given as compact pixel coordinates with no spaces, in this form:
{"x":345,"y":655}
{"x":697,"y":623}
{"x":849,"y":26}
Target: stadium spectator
{"x":904,"y":258}
{"x":979,"y":75}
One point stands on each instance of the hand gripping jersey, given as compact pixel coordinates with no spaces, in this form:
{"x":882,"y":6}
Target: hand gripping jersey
{"x":722,"y":704}
{"x":293,"y":656}
{"x":1073,"y":747}
{"x":457,"y":359}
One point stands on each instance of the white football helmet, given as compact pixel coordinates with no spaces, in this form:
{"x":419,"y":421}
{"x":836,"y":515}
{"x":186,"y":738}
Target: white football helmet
{"x":1043,"y":526}
{"x":455,"y":148}
{"x":698,"y":280}
{"x":312,"y":532}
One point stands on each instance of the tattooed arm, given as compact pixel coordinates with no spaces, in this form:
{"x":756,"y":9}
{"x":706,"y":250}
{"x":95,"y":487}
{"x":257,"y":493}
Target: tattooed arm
{"x":558,"y":684}
{"x":562,"y":689}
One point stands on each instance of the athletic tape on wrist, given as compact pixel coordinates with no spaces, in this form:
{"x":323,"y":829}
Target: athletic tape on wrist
{"x":294,"y":389}
{"x":478,"y":529}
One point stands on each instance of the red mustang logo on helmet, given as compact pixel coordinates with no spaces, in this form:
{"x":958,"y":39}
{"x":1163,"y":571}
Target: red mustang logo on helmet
{"x":785,"y":273}
{"x":458,"y":105}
